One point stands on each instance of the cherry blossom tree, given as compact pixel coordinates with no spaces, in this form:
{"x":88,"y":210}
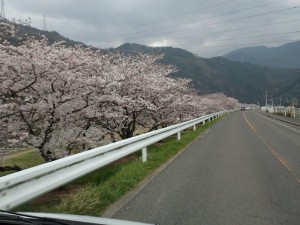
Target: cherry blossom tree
{"x":219,"y":101}
{"x":46,"y":91}
{"x":60,"y":99}
{"x":139,"y":92}
{"x":57,"y":94}
{"x":6,"y":30}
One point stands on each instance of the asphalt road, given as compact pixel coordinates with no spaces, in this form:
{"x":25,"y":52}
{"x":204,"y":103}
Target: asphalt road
{"x":245,"y":170}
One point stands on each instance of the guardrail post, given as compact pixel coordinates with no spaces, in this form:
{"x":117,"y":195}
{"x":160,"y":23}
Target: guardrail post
{"x":178,"y":136}
{"x":194,"y":127}
{"x":294,"y":110}
{"x":144,"y":154}
{"x":285,"y":111}
{"x":203,"y":123}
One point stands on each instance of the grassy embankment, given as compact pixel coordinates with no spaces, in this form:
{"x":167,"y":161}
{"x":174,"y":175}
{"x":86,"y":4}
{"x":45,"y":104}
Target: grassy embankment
{"x":25,"y":159}
{"x":93,"y":193}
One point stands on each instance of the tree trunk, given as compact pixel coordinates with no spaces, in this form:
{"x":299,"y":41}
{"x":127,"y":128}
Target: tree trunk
{"x":47,"y":155}
{"x":8,"y":168}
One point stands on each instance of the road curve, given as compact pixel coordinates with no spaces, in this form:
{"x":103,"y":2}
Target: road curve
{"x":245,"y":170}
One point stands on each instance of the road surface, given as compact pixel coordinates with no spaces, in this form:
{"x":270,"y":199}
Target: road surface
{"x":245,"y":170}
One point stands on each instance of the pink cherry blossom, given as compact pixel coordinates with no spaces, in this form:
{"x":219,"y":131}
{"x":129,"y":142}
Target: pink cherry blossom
{"x":59,"y":99}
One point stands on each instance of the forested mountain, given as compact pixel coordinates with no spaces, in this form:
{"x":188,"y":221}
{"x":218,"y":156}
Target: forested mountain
{"x":243,"y":81}
{"x":285,"y":56}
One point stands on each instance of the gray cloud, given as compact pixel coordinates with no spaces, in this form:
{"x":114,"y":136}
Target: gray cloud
{"x":207,"y":28}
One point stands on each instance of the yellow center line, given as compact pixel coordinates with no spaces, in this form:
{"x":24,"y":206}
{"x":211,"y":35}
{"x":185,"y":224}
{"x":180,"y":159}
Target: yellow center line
{"x":277,"y":155}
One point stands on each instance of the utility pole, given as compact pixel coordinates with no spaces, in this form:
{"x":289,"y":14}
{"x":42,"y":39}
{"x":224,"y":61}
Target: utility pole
{"x":44,"y":23}
{"x":266,"y":97}
{"x":2,"y":15}
{"x":280,"y":101}
{"x":272,"y":100}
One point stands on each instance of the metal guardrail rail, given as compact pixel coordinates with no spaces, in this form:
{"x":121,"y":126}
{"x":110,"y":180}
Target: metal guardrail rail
{"x":283,"y":119}
{"x":20,"y":187}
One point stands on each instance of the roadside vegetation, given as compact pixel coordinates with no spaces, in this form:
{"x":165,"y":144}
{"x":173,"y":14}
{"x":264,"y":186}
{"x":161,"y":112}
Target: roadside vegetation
{"x":23,"y":159}
{"x":93,"y":193}
{"x":64,"y":100}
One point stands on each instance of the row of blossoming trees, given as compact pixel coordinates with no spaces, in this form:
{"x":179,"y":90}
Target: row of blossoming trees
{"x":59,"y":98}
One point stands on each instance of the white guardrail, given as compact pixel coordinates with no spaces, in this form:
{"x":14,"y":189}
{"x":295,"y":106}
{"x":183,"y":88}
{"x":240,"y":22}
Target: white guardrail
{"x":20,"y":187}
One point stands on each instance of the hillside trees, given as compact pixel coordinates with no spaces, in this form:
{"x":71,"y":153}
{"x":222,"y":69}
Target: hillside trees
{"x":59,"y":98}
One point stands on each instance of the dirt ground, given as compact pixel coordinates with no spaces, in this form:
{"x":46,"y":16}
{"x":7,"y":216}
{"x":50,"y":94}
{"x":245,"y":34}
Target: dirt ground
{"x":18,"y":153}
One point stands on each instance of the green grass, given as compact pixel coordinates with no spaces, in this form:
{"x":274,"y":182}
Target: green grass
{"x":26,"y":160}
{"x":93,"y":193}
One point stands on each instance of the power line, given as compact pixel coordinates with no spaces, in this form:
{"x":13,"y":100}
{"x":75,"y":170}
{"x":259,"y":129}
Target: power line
{"x":175,"y":16}
{"x":2,"y":15}
{"x":224,"y":31}
{"x":247,"y":37}
{"x":213,"y":17}
{"x":244,"y":28}
{"x":288,"y":88}
{"x":44,"y":23}
{"x":239,"y":11}
{"x":245,"y":44}
{"x":161,"y":20}
{"x":210,"y":24}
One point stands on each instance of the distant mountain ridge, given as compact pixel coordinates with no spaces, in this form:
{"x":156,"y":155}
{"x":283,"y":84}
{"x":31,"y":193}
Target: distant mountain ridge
{"x":25,"y":31}
{"x":243,"y":81}
{"x":285,"y":56}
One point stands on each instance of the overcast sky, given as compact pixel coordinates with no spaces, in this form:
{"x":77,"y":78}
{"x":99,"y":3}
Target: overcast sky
{"x":206,"y":28}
